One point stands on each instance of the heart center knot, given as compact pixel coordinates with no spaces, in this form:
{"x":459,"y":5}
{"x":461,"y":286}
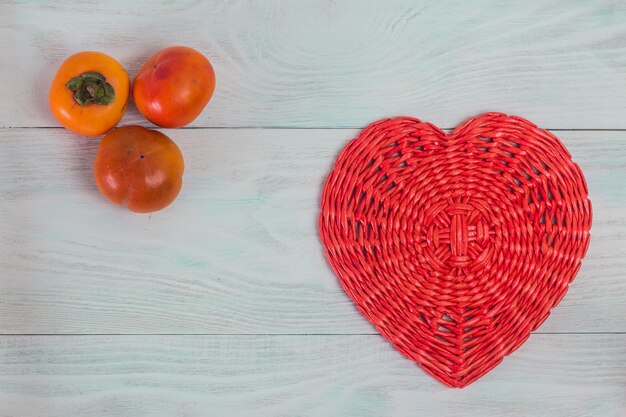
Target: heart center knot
{"x":460,"y":235}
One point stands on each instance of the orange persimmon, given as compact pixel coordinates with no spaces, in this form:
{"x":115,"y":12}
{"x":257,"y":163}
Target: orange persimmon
{"x":172,"y":88}
{"x":89,"y":93}
{"x":140,"y":168}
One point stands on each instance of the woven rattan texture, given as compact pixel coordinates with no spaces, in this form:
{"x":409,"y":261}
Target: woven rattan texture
{"x":455,"y":246}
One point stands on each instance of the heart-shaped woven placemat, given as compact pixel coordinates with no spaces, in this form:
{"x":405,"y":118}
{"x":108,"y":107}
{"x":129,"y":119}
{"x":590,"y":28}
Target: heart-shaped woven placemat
{"x":455,"y":246}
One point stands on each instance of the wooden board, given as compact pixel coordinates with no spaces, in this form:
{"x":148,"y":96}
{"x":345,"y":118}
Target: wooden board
{"x":326,"y":63}
{"x":238,"y":252}
{"x":550,"y":376}
{"x":223,"y":304}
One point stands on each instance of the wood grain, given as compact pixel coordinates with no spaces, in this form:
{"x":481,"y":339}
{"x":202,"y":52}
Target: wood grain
{"x":238,"y":252}
{"x":234,"y":270}
{"x":550,"y":376}
{"x":280,"y":63}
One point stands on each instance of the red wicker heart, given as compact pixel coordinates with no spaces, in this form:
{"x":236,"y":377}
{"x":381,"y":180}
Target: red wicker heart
{"x":455,"y":246}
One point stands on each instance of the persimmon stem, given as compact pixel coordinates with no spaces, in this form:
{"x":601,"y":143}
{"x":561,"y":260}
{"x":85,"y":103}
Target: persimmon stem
{"x":91,"y":87}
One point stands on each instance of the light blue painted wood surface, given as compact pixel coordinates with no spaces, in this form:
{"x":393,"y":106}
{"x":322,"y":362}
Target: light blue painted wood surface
{"x":223,"y":304}
{"x":293,"y":376}
{"x":344,"y":63}
{"x":238,"y":252}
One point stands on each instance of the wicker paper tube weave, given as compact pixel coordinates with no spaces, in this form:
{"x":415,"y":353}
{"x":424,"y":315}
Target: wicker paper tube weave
{"x":455,"y":246}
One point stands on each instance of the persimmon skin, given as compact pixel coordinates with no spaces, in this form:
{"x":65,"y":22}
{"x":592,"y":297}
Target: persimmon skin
{"x":172,"y":88}
{"x":91,"y":119}
{"x":139,"y":168}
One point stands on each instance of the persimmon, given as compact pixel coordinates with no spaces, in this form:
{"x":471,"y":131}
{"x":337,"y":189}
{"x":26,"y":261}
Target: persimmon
{"x":172,"y":88}
{"x":140,"y":168}
{"x":89,"y":93}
